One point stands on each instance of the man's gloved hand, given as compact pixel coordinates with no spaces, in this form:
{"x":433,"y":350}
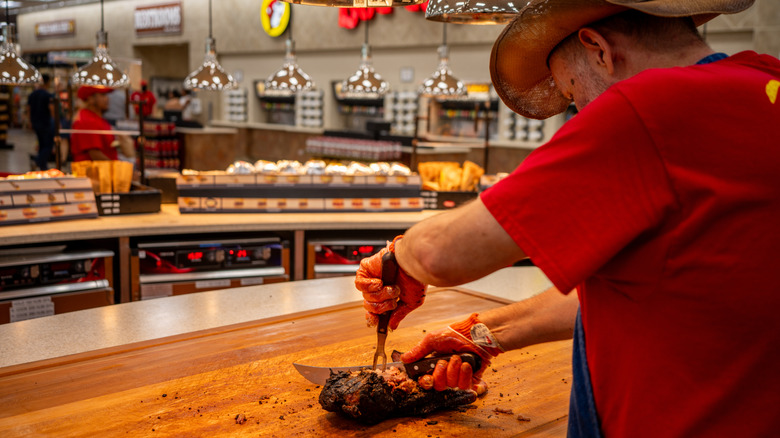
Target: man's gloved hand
{"x":466,"y":336}
{"x":404,"y":296}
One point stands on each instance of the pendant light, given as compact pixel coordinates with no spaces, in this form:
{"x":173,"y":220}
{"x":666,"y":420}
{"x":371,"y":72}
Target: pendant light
{"x":210,"y":76}
{"x":442,"y":82}
{"x":14,"y":70}
{"x":474,"y":11}
{"x":357,"y":3}
{"x":102,"y":71}
{"x":365,"y":83}
{"x":290,"y":79}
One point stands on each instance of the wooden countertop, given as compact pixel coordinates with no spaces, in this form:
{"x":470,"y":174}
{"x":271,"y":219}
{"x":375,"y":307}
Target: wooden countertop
{"x":169,"y":221}
{"x":195,"y":384}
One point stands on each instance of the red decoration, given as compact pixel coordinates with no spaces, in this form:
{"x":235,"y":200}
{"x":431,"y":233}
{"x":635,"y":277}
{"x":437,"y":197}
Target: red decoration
{"x":417,"y":8}
{"x":349,"y":18}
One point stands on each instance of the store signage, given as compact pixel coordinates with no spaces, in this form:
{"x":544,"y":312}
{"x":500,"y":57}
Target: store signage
{"x":59,"y":28}
{"x":274,"y":16}
{"x":69,"y":57}
{"x":158,"y":19}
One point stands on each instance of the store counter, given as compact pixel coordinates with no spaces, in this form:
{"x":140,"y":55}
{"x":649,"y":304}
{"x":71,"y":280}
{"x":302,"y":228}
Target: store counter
{"x":86,"y":330}
{"x":169,"y":221}
{"x":221,"y":364}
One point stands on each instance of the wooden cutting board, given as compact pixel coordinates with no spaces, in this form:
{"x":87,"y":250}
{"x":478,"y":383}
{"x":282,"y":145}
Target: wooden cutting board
{"x":198,"y":383}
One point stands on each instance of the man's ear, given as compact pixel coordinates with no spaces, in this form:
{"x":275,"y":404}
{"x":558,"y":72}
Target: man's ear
{"x":599,"y":51}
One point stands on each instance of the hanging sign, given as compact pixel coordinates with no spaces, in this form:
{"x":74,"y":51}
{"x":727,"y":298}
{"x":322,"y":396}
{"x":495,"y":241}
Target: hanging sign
{"x":158,"y":19}
{"x":275,"y":16}
{"x":59,"y":28}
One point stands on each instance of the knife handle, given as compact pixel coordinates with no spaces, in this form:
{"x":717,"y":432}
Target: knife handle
{"x":426,"y":365}
{"x":389,"y":272}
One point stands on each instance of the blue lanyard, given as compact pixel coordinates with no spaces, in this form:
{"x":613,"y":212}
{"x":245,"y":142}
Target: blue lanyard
{"x":712,"y":58}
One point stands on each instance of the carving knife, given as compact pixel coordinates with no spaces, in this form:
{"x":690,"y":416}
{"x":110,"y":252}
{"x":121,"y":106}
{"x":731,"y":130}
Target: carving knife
{"x":414,"y":370}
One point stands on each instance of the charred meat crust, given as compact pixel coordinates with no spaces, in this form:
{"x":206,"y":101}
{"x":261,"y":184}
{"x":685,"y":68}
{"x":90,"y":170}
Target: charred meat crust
{"x":367,"y":397}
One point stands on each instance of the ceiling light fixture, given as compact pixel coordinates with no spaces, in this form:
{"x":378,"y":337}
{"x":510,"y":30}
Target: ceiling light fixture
{"x":102,"y":71}
{"x":210,"y":76}
{"x":14,"y":70}
{"x":442,"y":82}
{"x":365,"y":83}
{"x":474,"y":11}
{"x":290,"y":79}
{"x":357,"y":3}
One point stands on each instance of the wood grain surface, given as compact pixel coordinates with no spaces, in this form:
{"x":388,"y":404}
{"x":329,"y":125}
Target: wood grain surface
{"x":197,"y":384}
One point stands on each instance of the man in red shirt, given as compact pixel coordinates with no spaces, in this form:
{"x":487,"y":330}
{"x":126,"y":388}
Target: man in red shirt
{"x":147,"y":97}
{"x":92,"y":146}
{"x":658,"y":204}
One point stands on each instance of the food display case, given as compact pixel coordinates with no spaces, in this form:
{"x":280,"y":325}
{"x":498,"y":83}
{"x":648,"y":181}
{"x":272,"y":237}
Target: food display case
{"x":176,"y":267}
{"x":338,"y":257}
{"x":36,"y":282}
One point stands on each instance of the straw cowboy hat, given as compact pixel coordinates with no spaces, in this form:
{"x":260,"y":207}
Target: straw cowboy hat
{"x":518,"y":63}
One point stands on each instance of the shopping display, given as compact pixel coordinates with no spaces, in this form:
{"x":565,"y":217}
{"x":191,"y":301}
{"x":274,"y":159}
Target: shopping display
{"x":291,"y":186}
{"x":45,"y":196}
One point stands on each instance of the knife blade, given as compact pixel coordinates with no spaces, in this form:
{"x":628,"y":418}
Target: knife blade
{"x":319,"y":375}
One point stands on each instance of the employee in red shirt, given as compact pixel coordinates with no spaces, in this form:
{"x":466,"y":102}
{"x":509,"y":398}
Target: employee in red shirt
{"x":146,"y":96}
{"x":653,"y":212}
{"x":92,"y":146}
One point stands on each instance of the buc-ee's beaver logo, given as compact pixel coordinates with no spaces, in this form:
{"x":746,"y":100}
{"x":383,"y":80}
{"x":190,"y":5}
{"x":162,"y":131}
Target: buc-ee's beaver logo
{"x":274,"y":16}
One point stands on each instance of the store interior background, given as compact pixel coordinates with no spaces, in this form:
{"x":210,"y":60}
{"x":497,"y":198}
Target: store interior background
{"x":327,"y":52}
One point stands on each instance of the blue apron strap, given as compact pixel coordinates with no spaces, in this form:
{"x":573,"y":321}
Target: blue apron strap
{"x":583,"y":419}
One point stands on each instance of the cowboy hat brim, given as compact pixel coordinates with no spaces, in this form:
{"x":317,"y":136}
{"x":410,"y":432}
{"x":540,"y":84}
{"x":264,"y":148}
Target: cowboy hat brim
{"x":518,"y":61}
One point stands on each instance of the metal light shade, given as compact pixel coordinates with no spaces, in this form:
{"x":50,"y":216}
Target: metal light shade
{"x":365,"y":83}
{"x":474,"y":11}
{"x":101,"y":72}
{"x":442,"y":82}
{"x":356,"y":3}
{"x":13,"y":69}
{"x":290,"y":79}
{"x":210,"y":76}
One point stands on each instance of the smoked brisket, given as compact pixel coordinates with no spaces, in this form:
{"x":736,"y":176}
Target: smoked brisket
{"x":370,"y":396}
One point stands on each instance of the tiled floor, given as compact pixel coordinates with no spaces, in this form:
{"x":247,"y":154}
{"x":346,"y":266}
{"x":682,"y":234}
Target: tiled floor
{"x":17,"y":160}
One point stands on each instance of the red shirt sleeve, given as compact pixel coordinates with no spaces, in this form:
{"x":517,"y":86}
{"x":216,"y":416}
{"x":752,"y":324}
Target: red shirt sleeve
{"x":582,"y":197}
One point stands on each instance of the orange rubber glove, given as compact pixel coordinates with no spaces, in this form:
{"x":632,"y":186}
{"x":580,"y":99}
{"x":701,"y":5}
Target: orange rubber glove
{"x":466,"y":336}
{"x":401,"y":298}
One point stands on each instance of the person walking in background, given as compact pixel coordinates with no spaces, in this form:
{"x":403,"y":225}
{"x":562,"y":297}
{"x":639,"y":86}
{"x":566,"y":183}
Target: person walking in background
{"x":41,"y":106}
{"x":174,"y":101}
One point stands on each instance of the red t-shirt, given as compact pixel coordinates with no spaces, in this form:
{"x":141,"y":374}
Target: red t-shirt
{"x":660,"y":203}
{"x":148,"y":98}
{"x":80,"y":144}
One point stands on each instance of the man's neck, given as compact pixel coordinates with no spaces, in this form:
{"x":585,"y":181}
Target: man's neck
{"x":94,"y":109}
{"x":641,"y":61}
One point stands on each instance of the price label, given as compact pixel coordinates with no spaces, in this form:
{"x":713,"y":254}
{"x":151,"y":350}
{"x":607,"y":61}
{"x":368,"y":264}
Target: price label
{"x":31,"y":308}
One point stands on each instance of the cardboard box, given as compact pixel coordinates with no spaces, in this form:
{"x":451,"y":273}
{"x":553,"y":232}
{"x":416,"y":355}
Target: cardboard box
{"x":46,"y":199}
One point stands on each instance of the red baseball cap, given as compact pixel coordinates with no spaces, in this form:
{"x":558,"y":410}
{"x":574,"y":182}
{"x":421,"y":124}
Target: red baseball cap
{"x":87,"y":90}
